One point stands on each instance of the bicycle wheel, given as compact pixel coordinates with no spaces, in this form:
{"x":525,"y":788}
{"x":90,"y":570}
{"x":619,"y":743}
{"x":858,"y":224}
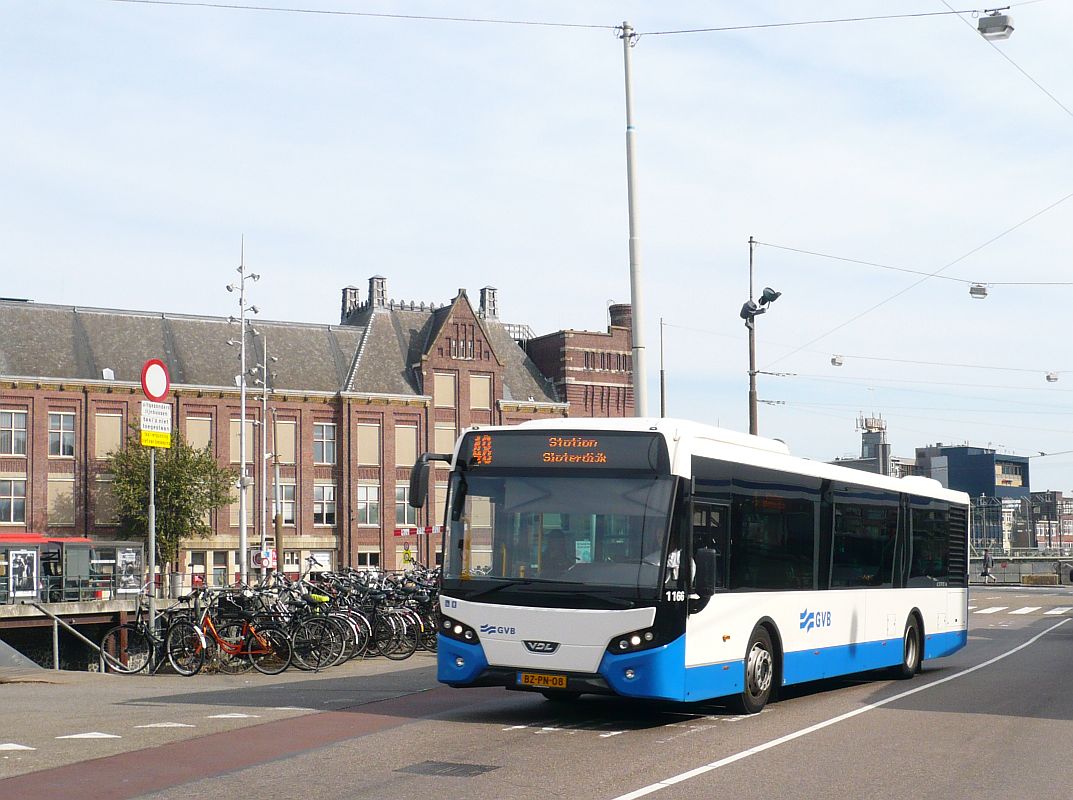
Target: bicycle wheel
{"x":270,"y":650}
{"x":185,"y":646}
{"x":406,"y":642}
{"x":232,"y":657}
{"x":317,"y":643}
{"x":126,"y":649}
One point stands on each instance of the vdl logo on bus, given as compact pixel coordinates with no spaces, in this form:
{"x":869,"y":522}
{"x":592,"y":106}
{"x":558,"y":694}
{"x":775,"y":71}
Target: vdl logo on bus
{"x":815,"y":619}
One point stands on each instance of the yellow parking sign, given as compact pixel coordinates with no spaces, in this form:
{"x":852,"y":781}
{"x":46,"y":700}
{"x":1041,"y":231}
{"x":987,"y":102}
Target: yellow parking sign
{"x":156,"y":439}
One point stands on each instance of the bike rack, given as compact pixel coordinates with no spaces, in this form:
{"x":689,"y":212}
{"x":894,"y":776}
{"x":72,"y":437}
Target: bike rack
{"x":56,"y":622}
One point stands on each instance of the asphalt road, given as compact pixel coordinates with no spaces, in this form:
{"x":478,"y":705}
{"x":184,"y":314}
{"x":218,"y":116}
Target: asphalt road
{"x":995,"y":718}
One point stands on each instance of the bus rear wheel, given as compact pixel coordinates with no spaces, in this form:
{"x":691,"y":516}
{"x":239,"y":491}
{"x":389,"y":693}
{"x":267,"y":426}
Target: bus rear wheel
{"x":911,"y":651}
{"x":759,"y":673}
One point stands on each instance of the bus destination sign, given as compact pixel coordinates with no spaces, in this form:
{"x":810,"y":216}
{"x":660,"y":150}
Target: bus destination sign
{"x":603,"y":449}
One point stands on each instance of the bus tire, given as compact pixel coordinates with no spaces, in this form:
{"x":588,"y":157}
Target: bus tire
{"x":911,"y":650}
{"x":759,"y":673}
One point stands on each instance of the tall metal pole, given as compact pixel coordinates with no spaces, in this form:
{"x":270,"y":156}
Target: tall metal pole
{"x":640,"y":387}
{"x":751,"y":325}
{"x":152,"y":539}
{"x":662,"y":375}
{"x":243,"y":545}
{"x":277,"y":498}
{"x":264,"y":452}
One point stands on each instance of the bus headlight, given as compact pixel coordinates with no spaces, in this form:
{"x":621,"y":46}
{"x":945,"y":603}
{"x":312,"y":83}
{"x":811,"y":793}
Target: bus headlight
{"x":453,"y":629}
{"x":637,"y":640}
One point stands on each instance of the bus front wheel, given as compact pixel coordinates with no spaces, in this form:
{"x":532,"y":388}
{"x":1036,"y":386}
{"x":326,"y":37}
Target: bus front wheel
{"x":911,"y":651}
{"x":759,"y":673}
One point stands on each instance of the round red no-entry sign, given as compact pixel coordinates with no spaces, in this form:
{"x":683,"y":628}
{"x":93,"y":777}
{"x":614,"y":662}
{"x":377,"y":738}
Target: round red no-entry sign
{"x":155,"y":380}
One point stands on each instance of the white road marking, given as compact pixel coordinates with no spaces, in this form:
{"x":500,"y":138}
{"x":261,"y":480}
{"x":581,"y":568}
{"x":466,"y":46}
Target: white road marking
{"x":752,"y":751}
{"x":516,"y":727}
{"x":166,"y":725}
{"x":234,"y":716}
{"x":1059,"y":610}
{"x":14,"y":746}
{"x":292,"y":708}
{"x":972,"y":608}
{"x":992,"y":610}
{"x":609,"y":734}
{"x":1026,"y":610}
{"x":91,"y":735}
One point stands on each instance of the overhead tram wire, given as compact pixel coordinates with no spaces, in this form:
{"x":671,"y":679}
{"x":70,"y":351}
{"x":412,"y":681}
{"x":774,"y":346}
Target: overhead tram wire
{"x":1015,"y":65}
{"x":494,"y":21}
{"x":367,"y":14}
{"x":908,"y":270}
{"x":927,"y":276}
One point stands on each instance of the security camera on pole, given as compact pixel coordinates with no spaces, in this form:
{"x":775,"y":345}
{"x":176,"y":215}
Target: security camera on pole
{"x":243,"y":481}
{"x":155,"y":432}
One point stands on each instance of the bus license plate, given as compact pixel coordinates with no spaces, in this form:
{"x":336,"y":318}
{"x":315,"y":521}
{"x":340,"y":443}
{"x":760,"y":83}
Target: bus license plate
{"x":541,"y":680}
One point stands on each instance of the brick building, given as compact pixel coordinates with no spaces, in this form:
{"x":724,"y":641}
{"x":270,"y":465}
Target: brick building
{"x":349,"y":408}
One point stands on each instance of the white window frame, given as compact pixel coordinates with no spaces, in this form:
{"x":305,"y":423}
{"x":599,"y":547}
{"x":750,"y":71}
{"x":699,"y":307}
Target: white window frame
{"x":61,"y":433}
{"x":11,"y":496}
{"x":320,"y":507}
{"x":322,"y":427}
{"x":12,"y":429}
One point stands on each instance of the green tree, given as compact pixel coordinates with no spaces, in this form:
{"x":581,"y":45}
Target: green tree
{"x":189,"y":484}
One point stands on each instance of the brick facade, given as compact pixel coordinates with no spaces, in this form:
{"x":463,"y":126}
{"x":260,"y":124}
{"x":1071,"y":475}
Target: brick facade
{"x":464,"y":369}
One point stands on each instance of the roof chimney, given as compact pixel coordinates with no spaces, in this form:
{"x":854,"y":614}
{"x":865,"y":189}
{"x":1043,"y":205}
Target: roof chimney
{"x":489,"y":303}
{"x":621,"y":316}
{"x":350,"y":303}
{"x":377,"y":291}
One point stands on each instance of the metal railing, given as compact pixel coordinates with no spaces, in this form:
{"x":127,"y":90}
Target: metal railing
{"x":56,"y":622}
{"x":58,"y":589}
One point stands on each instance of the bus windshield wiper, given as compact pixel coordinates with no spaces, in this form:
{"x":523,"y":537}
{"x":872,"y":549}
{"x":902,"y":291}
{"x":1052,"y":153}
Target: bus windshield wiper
{"x":498,"y":586}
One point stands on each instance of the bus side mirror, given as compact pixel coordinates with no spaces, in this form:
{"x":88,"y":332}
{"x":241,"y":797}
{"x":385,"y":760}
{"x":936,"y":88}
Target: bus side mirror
{"x":707,"y":564}
{"x":419,"y":482}
{"x":419,"y":477}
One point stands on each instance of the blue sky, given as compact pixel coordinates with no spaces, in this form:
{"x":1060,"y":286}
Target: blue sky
{"x":140,"y":142}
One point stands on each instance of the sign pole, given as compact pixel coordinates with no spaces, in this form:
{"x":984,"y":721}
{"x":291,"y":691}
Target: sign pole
{"x":155,"y":432}
{"x":152,"y":540}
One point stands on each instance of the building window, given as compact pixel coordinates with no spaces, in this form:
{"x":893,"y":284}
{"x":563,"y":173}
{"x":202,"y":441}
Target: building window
{"x":236,"y":426}
{"x":199,"y":432}
{"x":480,"y":392}
{"x":405,"y":445}
{"x":368,"y":501}
{"x":439,"y":503}
{"x":287,"y":502}
{"x":61,"y":501}
{"x":324,"y":504}
{"x":12,"y":500}
{"x":444,"y":390}
{"x":445,"y":437}
{"x":61,"y":434}
{"x":368,"y":559}
{"x":284,"y":436}
{"x":405,"y":514}
{"x":324,"y":443}
{"x":369,"y":444}
{"x":219,"y":568}
{"x":292,"y":561}
{"x":12,"y":433}
{"x":108,"y":436}
{"x":251,"y":492}
{"x":197,"y":568}
{"x":104,"y":502}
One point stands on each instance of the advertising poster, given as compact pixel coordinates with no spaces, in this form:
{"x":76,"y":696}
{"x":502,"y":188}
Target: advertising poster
{"x":22,"y":573}
{"x":129,"y":570}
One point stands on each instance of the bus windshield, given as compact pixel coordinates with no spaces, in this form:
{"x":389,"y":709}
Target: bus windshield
{"x":596,"y":531}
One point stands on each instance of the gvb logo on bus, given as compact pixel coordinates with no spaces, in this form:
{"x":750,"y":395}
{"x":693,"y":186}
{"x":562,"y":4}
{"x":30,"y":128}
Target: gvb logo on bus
{"x":815,"y":619}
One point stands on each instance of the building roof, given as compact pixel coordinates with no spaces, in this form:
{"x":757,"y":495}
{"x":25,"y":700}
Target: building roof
{"x":70,"y":343}
{"x":375,"y":352}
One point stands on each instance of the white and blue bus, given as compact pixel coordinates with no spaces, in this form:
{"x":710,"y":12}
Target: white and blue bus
{"x":657,"y":558}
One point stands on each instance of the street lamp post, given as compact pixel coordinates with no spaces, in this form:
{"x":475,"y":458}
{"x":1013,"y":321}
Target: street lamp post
{"x":749,"y":312}
{"x":243,"y":481}
{"x":640,"y":386}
